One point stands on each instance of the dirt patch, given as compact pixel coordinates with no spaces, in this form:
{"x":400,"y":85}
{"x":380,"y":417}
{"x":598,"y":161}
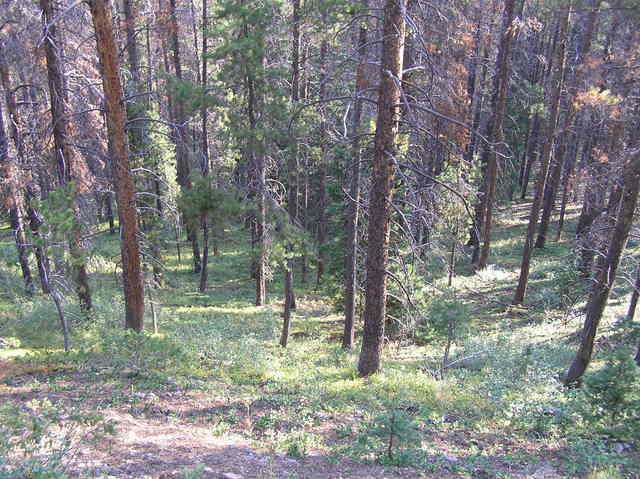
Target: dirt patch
{"x":166,"y":448}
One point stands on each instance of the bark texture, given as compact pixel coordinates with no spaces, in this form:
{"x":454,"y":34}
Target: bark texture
{"x":382,"y":183}
{"x":124,"y":187}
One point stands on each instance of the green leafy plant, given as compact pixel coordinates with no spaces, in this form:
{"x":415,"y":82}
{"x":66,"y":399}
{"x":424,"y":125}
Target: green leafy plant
{"x":142,"y":354}
{"x":298,"y":443}
{"x":393,"y":436}
{"x":196,"y":473}
{"x":609,"y":400}
{"x":447,"y":321}
{"x":39,"y":440}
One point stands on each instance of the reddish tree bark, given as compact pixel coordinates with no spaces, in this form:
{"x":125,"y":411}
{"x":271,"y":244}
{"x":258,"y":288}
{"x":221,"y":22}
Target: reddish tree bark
{"x":66,"y":158}
{"x":125,"y":189}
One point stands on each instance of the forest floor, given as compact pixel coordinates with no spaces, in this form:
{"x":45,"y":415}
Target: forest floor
{"x":212,"y":395}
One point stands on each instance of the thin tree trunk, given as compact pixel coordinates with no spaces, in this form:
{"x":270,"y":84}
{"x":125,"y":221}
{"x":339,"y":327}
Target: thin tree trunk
{"x":494,"y":129}
{"x":292,"y":200}
{"x":566,"y":184}
{"x":322,"y":169}
{"x":474,"y":233}
{"x":474,"y":89}
{"x":183,"y":166}
{"x":593,"y":205}
{"x":286,"y":323}
{"x":65,"y":156}
{"x":204,"y":111}
{"x":204,"y":272}
{"x":205,"y":165}
{"x":17,"y":224}
{"x":109,"y":207}
{"x":259,"y":181}
{"x":132,"y":44}
{"x":11,"y":195}
{"x":9,"y":172}
{"x":353,"y":210}
{"x":124,"y":187}
{"x":574,"y":81}
{"x":635,"y":294}
{"x":35,"y":221}
{"x":551,"y":134}
{"x":523,"y":159}
{"x":533,"y":135}
{"x":304,"y":177}
{"x":57,"y":301}
{"x":382,"y":184}
{"x":551,"y":191}
{"x":531,"y":154}
{"x":452,"y":259}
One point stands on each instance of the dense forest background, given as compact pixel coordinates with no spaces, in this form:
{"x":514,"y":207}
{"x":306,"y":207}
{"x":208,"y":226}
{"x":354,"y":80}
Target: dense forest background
{"x":381,"y":237}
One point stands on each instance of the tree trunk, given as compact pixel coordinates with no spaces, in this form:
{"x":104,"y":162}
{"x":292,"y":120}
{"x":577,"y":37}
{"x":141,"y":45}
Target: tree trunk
{"x":183,"y":166}
{"x":139,"y":146}
{"x":635,"y":294}
{"x":531,"y":154}
{"x":292,"y":200}
{"x":322,"y":170}
{"x":382,"y":183}
{"x":551,"y":134}
{"x":205,"y":167}
{"x":606,"y":270}
{"x":9,"y":172}
{"x":132,"y":44}
{"x":593,"y":205}
{"x":566,"y":184}
{"x":474,"y":232}
{"x":35,"y":221}
{"x":551,"y":191}
{"x":353,"y":209}
{"x":205,"y":164}
{"x":109,"y":207}
{"x":494,"y":128}
{"x":65,"y":155}
{"x":574,"y":81}
{"x":204,"y":272}
{"x":303,"y":177}
{"x":479,"y":92}
{"x":258,"y":183}
{"x":533,"y":135}
{"x":286,"y":316}
{"x":124,"y":187}
{"x":523,"y":158}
